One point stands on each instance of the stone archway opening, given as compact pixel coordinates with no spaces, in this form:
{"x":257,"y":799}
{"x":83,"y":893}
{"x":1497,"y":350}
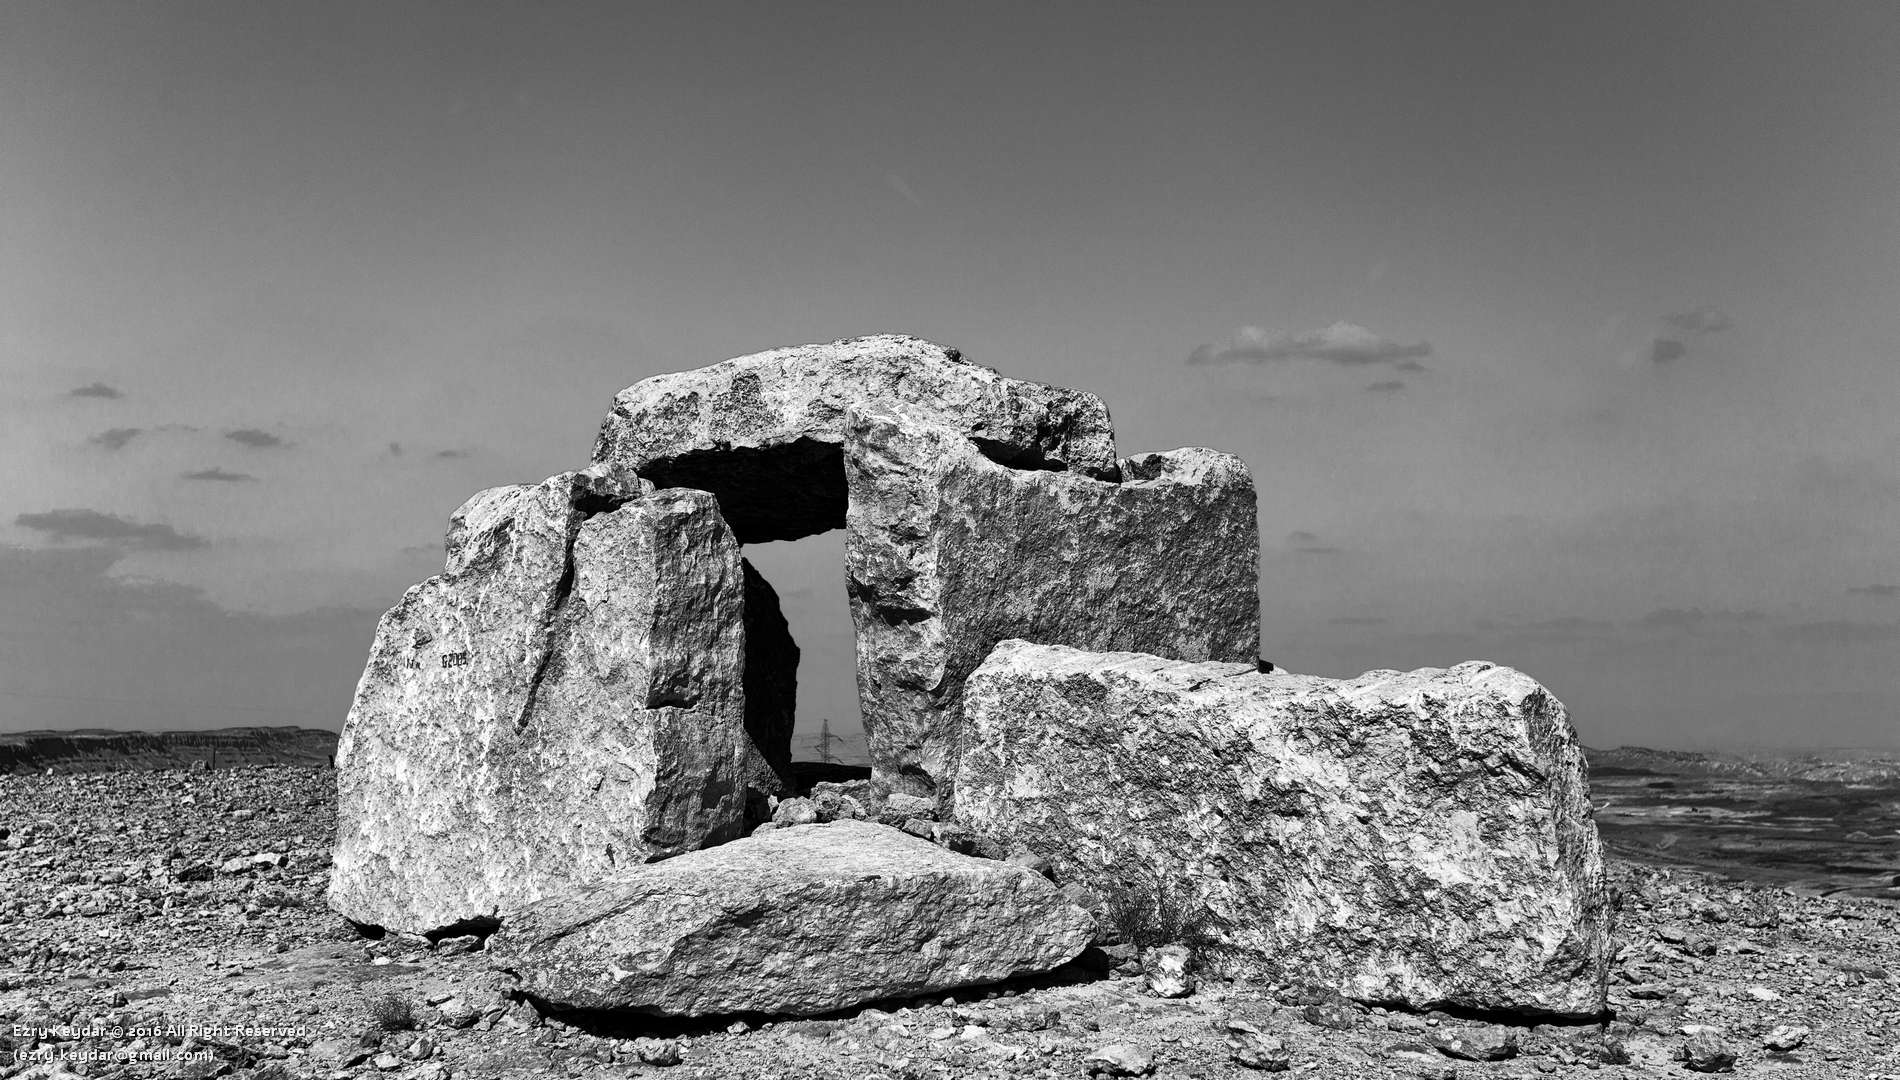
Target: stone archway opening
{"x":808,"y":575}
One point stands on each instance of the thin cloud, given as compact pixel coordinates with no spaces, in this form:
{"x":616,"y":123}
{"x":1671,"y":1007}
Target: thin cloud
{"x":1386,"y":386}
{"x":1343,"y":343}
{"x":1359,"y":620}
{"x":253,"y":438}
{"x":95,"y":390}
{"x":1697,"y":618}
{"x":115,"y":438}
{"x":395,"y":449}
{"x":221,"y":476}
{"x":1703,"y":320}
{"x":451,"y":453}
{"x":1874,"y":590}
{"x":1308,"y":543}
{"x":1683,"y":327}
{"x":1839,"y":631}
{"x":1663,"y":350}
{"x":93,"y":525}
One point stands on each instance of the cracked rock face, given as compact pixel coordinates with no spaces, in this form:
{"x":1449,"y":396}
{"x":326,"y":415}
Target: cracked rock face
{"x":948,"y":552}
{"x":798,"y":921}
{"x":1422,"y":838}
{"x":764,"y":432}
{"x":565,"y":699}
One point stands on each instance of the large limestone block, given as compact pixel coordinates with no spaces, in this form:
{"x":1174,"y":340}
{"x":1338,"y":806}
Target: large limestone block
{"x":764,"y":432}
{"x":1423,"y":838}
{"x":948,"y":552}
{"x":797,"y":921}
{"x":565,"y":699}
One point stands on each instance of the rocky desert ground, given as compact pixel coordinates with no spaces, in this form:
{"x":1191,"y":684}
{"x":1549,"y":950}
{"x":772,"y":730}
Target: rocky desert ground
{"x":172,"y":923}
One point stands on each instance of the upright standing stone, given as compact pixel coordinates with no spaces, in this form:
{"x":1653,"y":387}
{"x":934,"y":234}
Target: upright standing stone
{"x":1423,"y":838}
{"x":948,"y":552}
{"x":565,"y":699}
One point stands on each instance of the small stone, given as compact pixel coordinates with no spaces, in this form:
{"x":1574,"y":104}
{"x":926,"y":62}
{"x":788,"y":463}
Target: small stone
{"x":1785,"y":1037}
{"x":456,"y":946}
{"x":457,"y":1013}
{"x":1334,"y":1016}
{"x":1252,"y":1048}
{"x":661,"y":1052}
{"x":795,"y":812}
{"x":386,"y":1062}
{"x":1706,"y":1052}
{"x":902,"y":807}
{"x":1478,"y":1044}
{"x":1120,"y":1059}
{"x":1168,"y":971}
{"x":1762,"y":993}
{"x":336,"y":1053}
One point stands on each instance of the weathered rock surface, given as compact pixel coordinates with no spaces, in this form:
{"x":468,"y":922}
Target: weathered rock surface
{"x":798,"y":921}
{"x":567,"y":698}
{"x":764,"y":432}
{"x":948,"y":552}
{"x":1422,"y":838}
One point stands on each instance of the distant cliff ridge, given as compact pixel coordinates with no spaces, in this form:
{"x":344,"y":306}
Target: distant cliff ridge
{"x":106,"y":751}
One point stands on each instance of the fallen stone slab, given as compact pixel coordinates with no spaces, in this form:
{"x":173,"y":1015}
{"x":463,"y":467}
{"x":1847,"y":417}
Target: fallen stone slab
{"x":765,"y":432}
{"x":565,"y":699}
{"x":948,"y":552}
{"x":796,"y":922}
{"x":1422,"y":839}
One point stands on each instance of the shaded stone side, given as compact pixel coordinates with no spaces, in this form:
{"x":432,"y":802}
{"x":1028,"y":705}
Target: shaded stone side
{"x":1420,"y":838}
{"x":771,"y":692}
{"x":794,"y":922}
{"x":764,"y":432}
{"x":948,"y":552}
{"x":565,"y":699}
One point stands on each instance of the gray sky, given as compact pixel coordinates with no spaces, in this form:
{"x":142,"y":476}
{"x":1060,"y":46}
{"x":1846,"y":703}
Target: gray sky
{"x":1561,"y":335}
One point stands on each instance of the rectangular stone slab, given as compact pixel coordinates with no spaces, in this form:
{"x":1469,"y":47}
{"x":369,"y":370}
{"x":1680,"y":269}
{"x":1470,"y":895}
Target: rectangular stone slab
{"x":763,"y":432}
{"x":797,"y":922}
{"x":1420,"y":838}
{"x":948,"y":552}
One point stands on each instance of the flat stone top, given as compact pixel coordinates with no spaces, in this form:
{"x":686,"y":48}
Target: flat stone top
{"x":771,"y":864}
{"x":1246,"y":681}
{"x":766,"y":428}
{"x":807,"y":388}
